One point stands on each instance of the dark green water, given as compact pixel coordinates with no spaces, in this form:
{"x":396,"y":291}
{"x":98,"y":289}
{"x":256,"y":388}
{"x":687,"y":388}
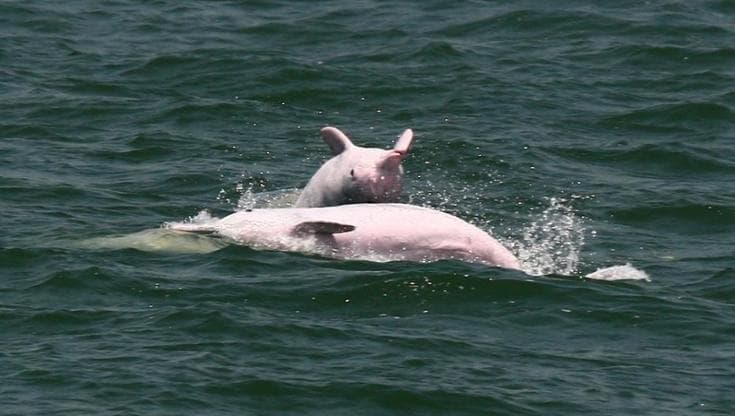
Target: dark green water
{"x":582,"y":135}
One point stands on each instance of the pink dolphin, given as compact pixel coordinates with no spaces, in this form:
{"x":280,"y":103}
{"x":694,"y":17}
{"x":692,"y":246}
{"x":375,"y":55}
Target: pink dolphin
{"x":379,"y":232}
{"x":356,"y":174}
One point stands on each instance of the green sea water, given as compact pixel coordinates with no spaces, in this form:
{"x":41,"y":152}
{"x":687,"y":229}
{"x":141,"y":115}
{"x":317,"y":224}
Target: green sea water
{"x":583,"y":135}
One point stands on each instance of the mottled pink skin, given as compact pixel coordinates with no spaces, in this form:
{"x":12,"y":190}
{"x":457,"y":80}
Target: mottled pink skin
{"x":379,"y":232}
{"x":356,"y":174}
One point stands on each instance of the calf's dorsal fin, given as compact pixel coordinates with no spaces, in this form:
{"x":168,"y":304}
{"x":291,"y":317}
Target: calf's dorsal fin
{"x":338,"y":142}
{"x":403,"y":144}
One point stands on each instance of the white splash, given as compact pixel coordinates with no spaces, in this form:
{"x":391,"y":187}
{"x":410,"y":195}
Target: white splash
{"x":551,"y":243}
{"x":202,"y":217}
{"x":282,"y":198}
{"x":623,"y":272}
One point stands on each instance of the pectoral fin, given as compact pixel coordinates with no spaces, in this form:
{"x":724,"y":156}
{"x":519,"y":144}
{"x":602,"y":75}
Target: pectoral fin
{"x":322,"y":227}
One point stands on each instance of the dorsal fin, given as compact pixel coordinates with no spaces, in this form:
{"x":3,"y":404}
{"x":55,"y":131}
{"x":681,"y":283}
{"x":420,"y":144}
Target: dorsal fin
{"x":403,"y":144}
{"x":322,"y":227}
{"x":338,"y":142}
{"x":391,"y":160}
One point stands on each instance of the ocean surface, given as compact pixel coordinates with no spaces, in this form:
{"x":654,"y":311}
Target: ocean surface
{"x":583,"y":135}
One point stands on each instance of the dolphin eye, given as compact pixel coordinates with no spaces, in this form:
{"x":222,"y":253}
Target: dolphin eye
{"x":352,"y":172}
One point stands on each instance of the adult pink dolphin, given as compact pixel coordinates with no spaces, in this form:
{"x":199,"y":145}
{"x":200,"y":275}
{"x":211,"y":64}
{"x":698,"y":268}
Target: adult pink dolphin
{"x":379,"y":232}
{"x":356,"y":174}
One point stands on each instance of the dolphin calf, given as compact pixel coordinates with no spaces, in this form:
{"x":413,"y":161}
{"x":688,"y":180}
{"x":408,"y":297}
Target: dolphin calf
{"x":356,"y":174}
{"x":378,"y":232}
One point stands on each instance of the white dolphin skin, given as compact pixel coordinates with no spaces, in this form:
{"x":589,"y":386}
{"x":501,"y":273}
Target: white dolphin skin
{"x":378,"y":232}
{"x":356,"y":174}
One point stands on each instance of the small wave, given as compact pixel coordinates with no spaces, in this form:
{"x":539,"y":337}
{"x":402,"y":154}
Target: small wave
{"x":681,"y":216}
{"x":146,"y":154}
{"x":437,"y":50}
{"x":680,"y":114}
{"x":674,"y":157}
{"x":73,"y":279}
{"x":194,"y":320}
{"x":717,"y":287}
{"x":142,"y":147}
{"x":659,"y":56}
{"x":12,"y":257}
{"x":45,"y":191}
{"x":204,"y":110}
{"x":162,"y":65}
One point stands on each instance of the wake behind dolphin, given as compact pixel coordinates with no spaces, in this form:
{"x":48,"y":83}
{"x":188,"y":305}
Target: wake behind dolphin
{"x":155,"y":240}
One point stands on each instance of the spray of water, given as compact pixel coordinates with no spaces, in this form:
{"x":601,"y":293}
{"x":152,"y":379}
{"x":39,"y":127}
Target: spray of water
{"x":248,"y":199}
{"x":282,"y":198}
{"x":551,"y":243}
